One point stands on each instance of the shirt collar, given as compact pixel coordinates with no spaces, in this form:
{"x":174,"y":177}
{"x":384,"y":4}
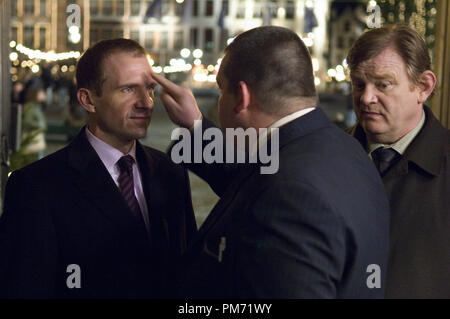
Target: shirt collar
{"x":108,"y":154}
{"x":265,"y":134}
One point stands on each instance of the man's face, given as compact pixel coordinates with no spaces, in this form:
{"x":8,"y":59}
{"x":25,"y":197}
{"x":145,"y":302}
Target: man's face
{"x":123,"y":111}
{"x":385,"y":101}
{"x":227,"y":100}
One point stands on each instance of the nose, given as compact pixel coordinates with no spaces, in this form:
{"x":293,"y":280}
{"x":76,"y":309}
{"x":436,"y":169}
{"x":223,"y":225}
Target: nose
{"x":369,"y":96}
{"x":145,"y":99}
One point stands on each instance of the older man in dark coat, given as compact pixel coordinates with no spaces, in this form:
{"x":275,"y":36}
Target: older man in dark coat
{"x":391,"y":80}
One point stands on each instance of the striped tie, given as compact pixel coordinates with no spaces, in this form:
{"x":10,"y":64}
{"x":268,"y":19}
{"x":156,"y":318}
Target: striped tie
{"x":126,"y":184}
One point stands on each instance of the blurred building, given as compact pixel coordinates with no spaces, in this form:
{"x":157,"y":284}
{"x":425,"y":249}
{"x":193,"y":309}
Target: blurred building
{"x":164,"y":27}
{"x":347,"y":23}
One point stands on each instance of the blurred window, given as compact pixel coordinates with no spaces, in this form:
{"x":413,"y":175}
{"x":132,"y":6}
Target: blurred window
{"x":240,"y":12}
{"x":42,"y":38}
{"x":120,"y":7}
{"x":178,"y":42}
{"x":29,"y":37}
{"x":135,"y":7}
{"x":195,"y":8}
{"x":194,"y":38}
{"x":14,"y":8}
{"x":42,"y":8}
{"x":274,"y":8}
{"x":29,"y":6}
{"x":163,"y":40}
{"x":149,"y":43}
{"x":209,"y":39}
{"x":107,"y":7}
{"x":257,"y":9}
{"x":290,"y":10}
{"x":209,"y":10}
{"x":93,"y":35}
{"x":93,"y":7}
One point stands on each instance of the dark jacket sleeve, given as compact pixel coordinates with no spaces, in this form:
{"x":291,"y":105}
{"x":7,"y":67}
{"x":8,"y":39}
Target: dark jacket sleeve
{"x":217,"y":175}
{"x":28,"y":248}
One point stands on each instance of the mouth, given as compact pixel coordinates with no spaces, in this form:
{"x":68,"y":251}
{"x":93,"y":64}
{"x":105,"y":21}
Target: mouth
{"x":370,"y":114}
{"x":140,"y":118}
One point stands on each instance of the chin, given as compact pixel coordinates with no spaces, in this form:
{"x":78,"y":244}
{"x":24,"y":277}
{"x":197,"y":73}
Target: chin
{"x":373,"y":127}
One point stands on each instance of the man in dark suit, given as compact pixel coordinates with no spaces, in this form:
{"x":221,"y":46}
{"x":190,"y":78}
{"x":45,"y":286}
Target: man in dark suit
{"x":391,"y":80}
{"x":318,"y":227}
{"x":105,"y":217}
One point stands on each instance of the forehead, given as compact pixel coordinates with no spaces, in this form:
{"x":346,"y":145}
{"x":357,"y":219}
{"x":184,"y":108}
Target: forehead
{"x":124,"y":66}
{"x":386,"y":64}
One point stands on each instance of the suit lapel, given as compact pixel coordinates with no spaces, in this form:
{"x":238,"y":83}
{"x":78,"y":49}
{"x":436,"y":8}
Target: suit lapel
{"x":97,"y":186}
{"x":150,"y":169}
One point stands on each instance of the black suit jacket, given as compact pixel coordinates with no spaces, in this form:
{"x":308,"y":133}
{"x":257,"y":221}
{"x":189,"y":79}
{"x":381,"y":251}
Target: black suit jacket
{"x":418,"y":188}
{"x":66,"y":209}
{"x":308,"y":231}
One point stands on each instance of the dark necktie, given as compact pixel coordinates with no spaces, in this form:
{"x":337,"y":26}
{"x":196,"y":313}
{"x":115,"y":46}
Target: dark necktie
{"x":126,"y":184}
{"x":384,"y":158}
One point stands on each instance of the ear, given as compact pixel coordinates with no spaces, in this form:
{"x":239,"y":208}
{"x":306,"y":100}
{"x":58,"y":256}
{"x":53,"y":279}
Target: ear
{"x":427,"y":83}
{"x":85,"y":99}
{"x":243,"y":95}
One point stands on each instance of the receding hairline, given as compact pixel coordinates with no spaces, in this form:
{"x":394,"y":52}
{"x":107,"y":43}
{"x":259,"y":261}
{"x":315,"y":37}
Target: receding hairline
{"x":133,"y":52}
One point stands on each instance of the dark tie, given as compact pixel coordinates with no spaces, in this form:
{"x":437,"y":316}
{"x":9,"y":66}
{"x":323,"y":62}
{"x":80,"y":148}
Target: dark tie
{"x":384,"y":158}
{"x":126,"y":185}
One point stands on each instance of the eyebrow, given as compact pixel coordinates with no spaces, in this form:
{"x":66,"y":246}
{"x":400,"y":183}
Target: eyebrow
{"x":356,"y":76}
{"x":132,"y":84}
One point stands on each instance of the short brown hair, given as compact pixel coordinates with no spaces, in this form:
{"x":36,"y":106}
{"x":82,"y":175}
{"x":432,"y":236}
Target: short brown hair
{"x":90,"y":73}
{"x":273,"y":61}
{"x":405,"y":40}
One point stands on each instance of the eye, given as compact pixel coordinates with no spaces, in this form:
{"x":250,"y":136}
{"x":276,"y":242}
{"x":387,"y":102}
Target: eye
{"x":384,"y":85}
{"x":126,"y":90}
{"x":358,"y":86}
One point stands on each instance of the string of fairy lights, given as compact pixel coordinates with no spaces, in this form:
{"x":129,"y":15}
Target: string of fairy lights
{"x":33,"y":58}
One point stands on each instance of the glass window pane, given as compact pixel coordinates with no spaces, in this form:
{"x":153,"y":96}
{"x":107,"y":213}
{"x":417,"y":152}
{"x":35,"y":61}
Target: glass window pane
{"x":209,"y":40}
{"x":195,"y":8}
{"x":135,"y":7}
{"x":178,"y":43}
{"x":107,"y":7}
{"x":194,"y":38}
{"x":42,"y":33}
{"x":290,"y":10}
{"x":43,"y":8}
{"x":29,"y":6}
{"x":14,"y":8}
{"x":209,"y":10}
{"x":120,"y":5}
{"x":149,"y":43}
{"x":29,"y":37}
{"x":163,"y":40}
{"x":94,"y":7}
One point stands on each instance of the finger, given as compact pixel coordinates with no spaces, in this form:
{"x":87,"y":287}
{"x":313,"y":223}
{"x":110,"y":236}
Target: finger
{"x":170,"y":87}
{"x":170,"y":104}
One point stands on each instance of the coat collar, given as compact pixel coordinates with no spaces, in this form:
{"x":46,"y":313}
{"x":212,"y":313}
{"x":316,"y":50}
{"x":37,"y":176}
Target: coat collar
{"x":428,"y":148}
{"x":93,"y":180}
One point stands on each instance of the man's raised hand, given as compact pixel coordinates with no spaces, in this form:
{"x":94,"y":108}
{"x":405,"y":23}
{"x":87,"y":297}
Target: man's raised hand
{"x":179,"y":102}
